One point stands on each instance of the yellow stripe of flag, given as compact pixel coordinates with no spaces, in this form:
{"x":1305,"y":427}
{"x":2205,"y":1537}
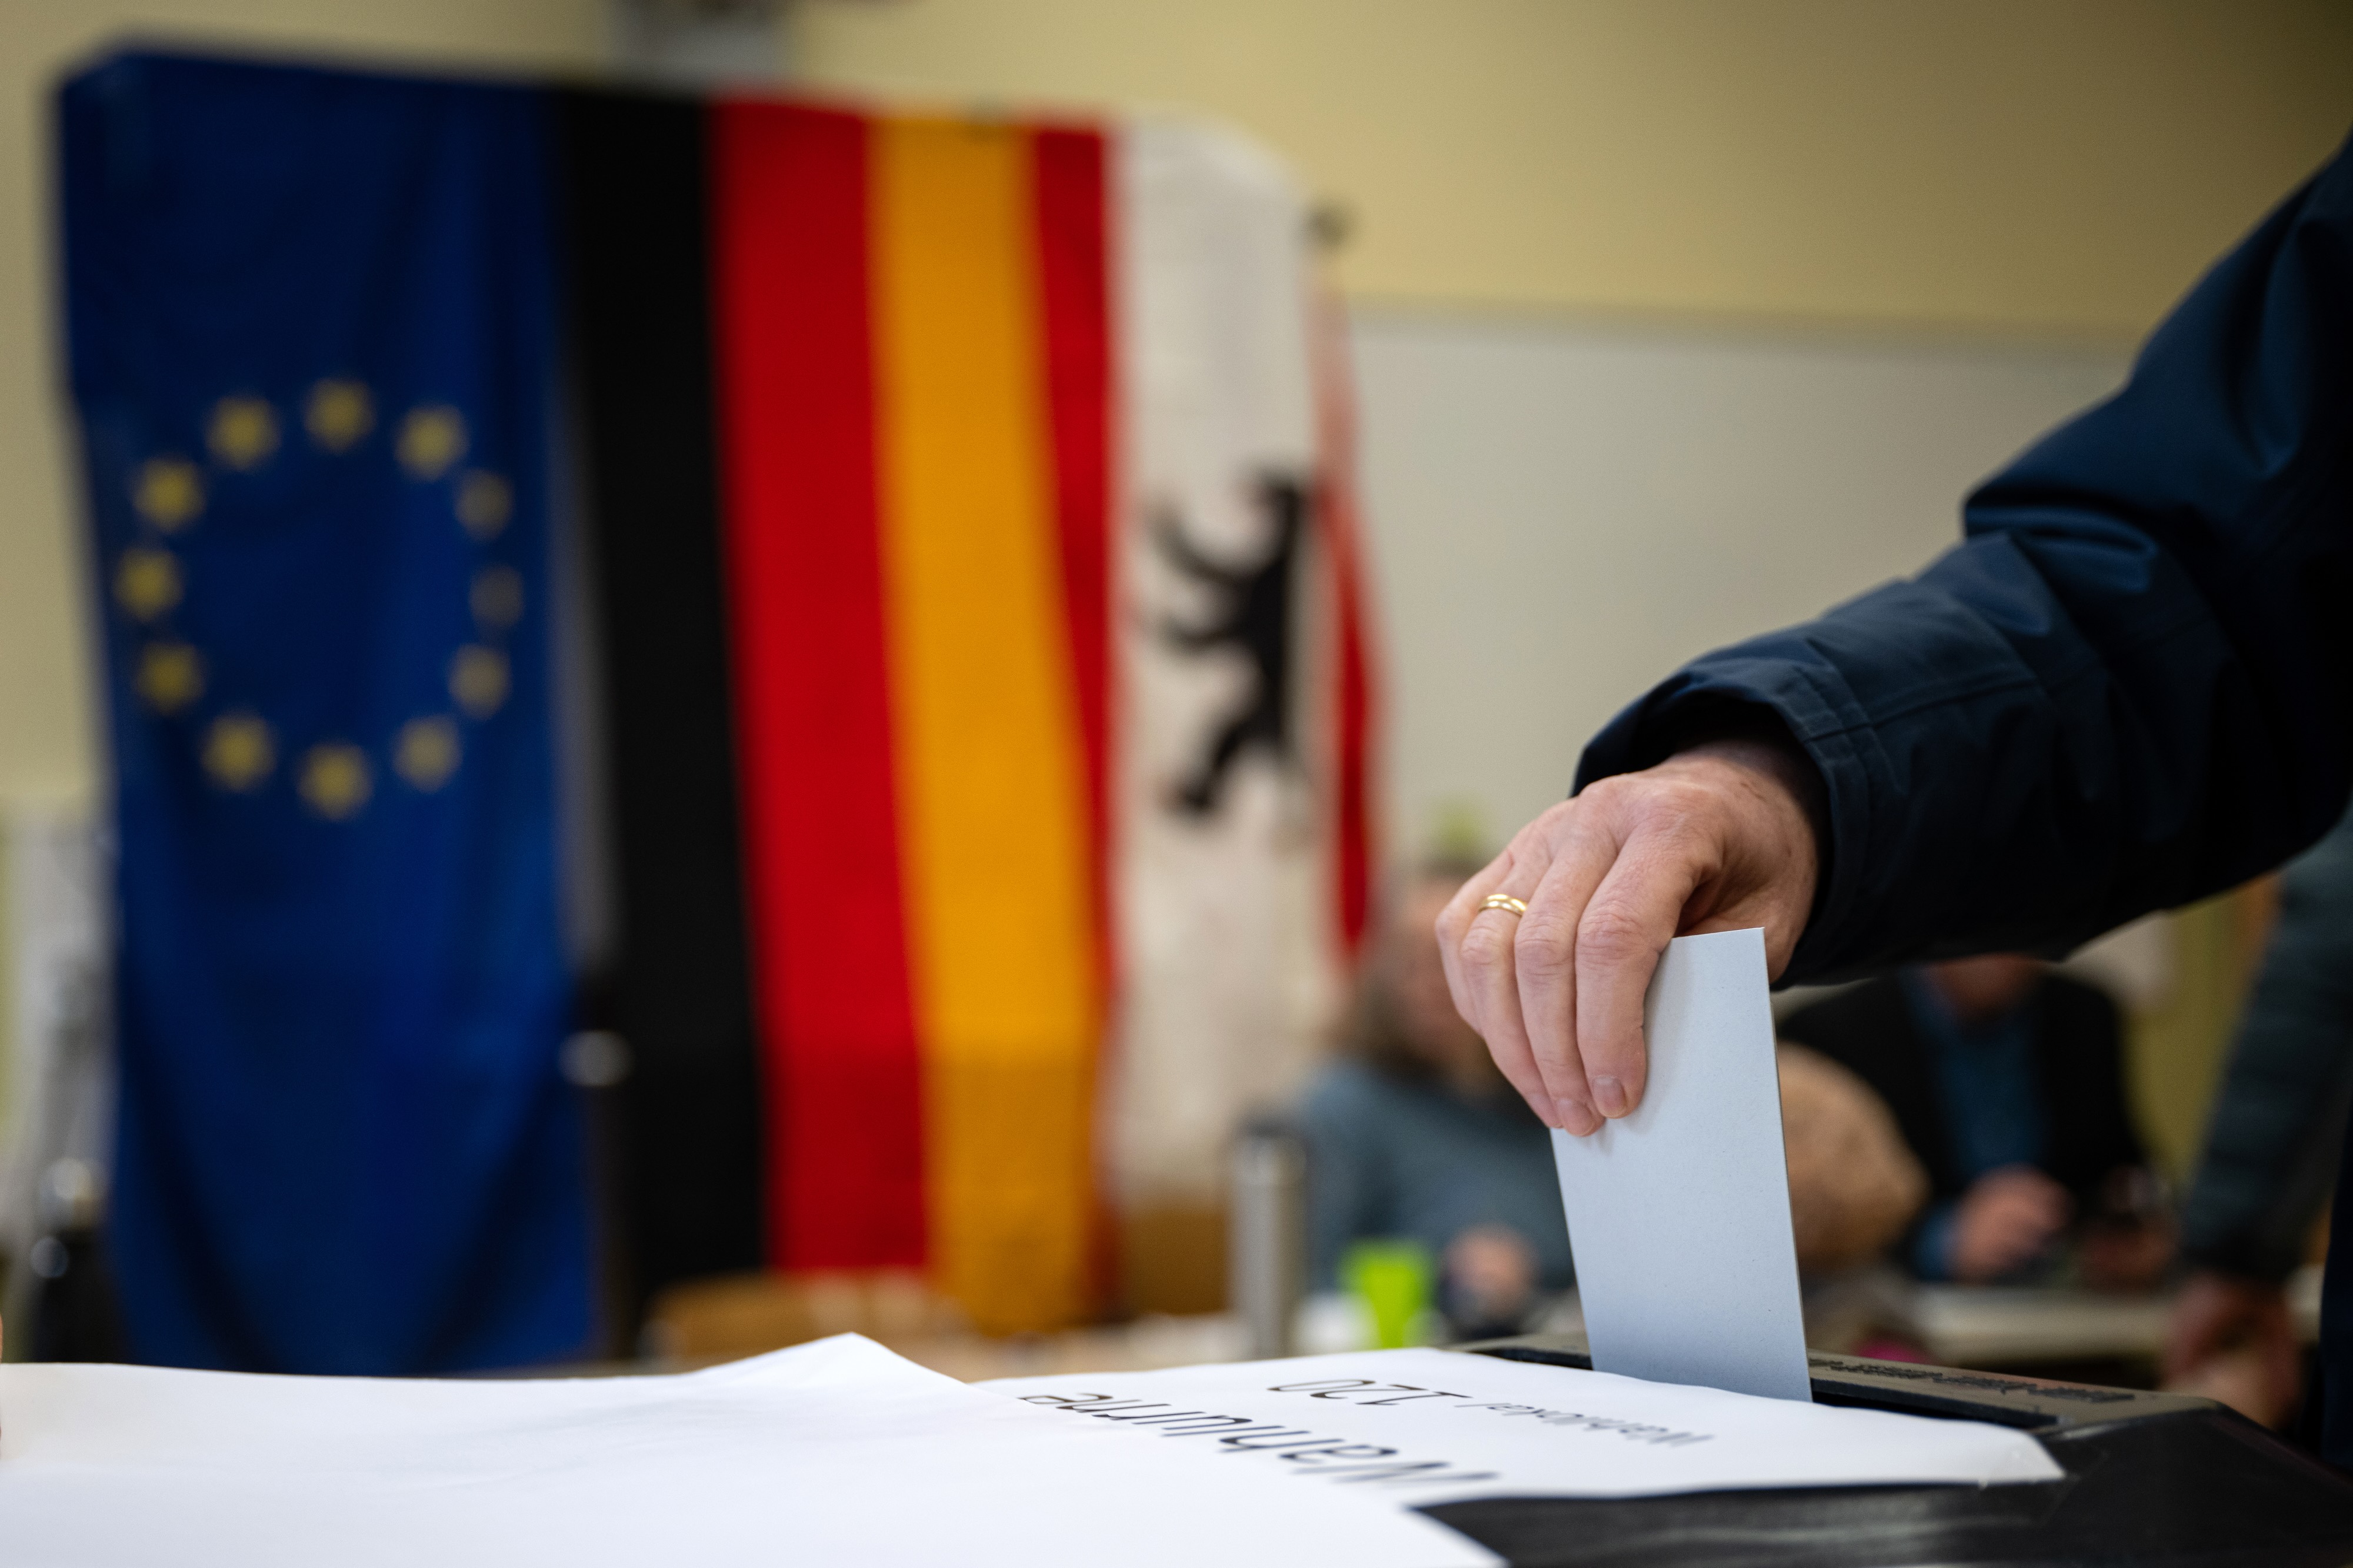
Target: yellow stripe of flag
{"x":992,"y":827}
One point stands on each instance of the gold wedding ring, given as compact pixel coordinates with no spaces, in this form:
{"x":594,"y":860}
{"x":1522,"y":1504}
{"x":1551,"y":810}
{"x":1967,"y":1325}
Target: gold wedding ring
{"x":1504,"y":901}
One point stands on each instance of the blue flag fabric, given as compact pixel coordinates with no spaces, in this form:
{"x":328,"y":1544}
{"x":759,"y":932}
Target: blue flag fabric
{"x":311,"y":327}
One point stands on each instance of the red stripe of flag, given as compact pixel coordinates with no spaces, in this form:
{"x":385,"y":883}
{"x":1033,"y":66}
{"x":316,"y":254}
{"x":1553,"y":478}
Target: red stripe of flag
{"x":1353,"y":697}
{"x":843,"y":1077}
{"x":1074,"y":285}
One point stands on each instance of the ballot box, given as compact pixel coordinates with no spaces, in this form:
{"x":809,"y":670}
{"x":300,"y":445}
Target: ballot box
{"x":2150,"y":1478}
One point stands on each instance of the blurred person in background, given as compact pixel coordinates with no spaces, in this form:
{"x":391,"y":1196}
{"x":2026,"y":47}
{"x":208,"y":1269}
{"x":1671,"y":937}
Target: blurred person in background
{"x":1412,"y":1133}
{"x":2007,"y":1081}
{"x":1854,"y":1189}
{"x":2272,"y":1143}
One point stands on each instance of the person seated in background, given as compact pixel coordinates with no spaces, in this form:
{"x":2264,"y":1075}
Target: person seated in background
{"x":1413,"y":1133}
{"x":1854,"y":1188}
{"x":2274,"y":1143}
{"x":2007,"y":1081}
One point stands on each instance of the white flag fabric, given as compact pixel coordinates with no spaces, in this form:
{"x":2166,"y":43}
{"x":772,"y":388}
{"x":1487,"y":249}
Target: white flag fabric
{"x":1229,"y":958}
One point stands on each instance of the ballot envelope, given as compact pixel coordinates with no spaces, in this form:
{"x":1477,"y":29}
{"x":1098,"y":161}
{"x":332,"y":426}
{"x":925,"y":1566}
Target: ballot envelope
{"x":2151,"y":1479}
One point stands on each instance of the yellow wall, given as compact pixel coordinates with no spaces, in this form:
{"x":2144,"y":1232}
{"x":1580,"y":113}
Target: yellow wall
{"x":2049,"y":166}
{"x":2053,"y":168}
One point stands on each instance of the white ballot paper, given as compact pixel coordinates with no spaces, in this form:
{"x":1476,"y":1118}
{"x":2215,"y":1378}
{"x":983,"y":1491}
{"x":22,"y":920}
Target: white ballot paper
{"x":1420,"y":1426}
{"x":1679,"y":1213}
{"x":837,"y":1452}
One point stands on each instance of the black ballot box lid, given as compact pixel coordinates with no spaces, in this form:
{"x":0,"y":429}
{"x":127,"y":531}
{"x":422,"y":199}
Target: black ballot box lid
{"x":2151,"y":1479}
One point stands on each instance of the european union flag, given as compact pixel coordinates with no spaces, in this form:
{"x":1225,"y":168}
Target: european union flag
{"x":310,"y":327}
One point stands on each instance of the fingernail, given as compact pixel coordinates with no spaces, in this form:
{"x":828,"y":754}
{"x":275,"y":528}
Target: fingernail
{"x":1609,"y":1096}
{"x":1576,"y":1118}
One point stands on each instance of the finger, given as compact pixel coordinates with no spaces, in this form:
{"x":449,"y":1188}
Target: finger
{"x":1632,"y":916}
{"x":1454,"y":920}
{"x":1488,"y":964}
{"x":1544,"y":964}
{"x":1483,"y":955}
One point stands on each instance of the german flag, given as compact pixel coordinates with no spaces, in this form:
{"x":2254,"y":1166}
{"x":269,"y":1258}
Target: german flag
{"x":986,"y":693}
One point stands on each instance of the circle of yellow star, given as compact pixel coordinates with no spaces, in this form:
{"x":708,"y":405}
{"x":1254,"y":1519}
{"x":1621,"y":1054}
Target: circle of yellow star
{"x":427,"y":752}
{"x":339,"y":413}
{"x":243,"y":432}
{"x":431,"y":438}
{"x":496,"y":597}
{"x":238,"y":752}
{"x":168,"y":493}
{"x":335,"y":780}
{"x":170,"y":675}
{"x":147,"y":582}
{"x":477,"y":679}
{"x":484,"y":503}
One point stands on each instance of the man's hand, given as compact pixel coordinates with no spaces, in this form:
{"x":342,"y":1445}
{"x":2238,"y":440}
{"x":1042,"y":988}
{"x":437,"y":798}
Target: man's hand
{"x":2006,"y":1219}
{"x":2233,"y":1339}
{"x":1715,"y":838}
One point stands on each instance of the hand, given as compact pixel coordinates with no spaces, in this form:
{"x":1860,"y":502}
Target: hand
{"x":1715,"y":838}
{"x":2006,"y":1219}
{"x":2233,"y":1339}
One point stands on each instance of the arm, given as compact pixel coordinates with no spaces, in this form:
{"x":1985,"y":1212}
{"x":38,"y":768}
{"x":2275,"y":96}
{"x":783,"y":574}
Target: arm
{"x":2130,"y":687}
{"x":2272,"y":1147}
{"x":2127,"y":689}
{"x":2271,"y":1141}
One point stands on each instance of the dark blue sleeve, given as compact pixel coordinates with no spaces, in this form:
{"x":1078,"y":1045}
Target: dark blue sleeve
{"x":2130,"y":686}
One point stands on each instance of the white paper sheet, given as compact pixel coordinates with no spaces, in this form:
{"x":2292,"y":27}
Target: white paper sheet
{"x":1679,"y":1215}
{"x":837,"y":1452}
{"x":1422,"y":1427}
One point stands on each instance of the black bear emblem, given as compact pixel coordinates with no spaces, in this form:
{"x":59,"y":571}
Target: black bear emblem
{"x":1255,"y":617}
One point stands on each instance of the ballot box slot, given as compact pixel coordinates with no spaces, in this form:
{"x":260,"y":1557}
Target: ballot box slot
{"x":1936,"y":1409}
{"x":1916,"y":1400}
{"x":2029,"y":1404}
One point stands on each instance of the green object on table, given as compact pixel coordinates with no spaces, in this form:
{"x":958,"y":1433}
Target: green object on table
{"x":1393,"y":1279}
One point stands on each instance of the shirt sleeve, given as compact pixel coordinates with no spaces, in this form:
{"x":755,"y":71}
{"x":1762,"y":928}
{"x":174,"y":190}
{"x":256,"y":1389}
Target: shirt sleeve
{"x":2130,"y":685}
{"x":2273,"y":1139}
